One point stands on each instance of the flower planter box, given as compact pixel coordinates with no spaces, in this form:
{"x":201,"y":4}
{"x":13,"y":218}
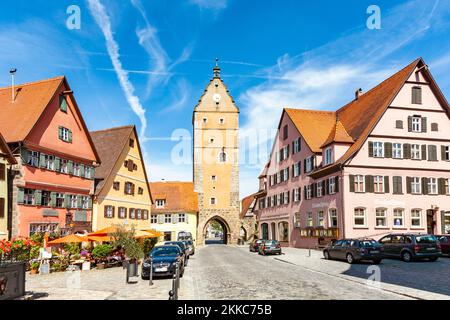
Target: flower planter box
{"x":12,"y":280}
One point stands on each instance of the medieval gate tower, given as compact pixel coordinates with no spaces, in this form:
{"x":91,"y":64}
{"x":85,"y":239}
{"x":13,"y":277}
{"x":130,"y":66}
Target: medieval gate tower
{"x":216,"y":162}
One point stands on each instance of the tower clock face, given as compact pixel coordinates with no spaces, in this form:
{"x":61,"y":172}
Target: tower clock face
{"x":217,"y":97}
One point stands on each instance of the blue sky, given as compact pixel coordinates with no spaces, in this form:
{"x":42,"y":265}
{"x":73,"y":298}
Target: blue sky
{"x":147,"y":62}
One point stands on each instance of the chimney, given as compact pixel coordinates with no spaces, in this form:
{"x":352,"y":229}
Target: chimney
{"x":358,"y":93}
{"x":12,"y":72}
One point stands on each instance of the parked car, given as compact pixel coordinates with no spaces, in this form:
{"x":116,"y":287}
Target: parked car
{"x":184,"y":235}
{"x":410,"y":247}
{"x":354,"y":250}
{"x":182,"y":245}
{"x":190,"y":246}
{"x":444,"y":240}
{"x":269,"y":247}
{"x":164,"y":258}
{"x":254,"y":245}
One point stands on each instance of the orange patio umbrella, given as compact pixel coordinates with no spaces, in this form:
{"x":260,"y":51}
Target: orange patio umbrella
{"x":68,"y":239}
{"x":105,"y":231}
{"x":154,"y":233}
{"x":143,"y":234}
{"x":100,"y":238}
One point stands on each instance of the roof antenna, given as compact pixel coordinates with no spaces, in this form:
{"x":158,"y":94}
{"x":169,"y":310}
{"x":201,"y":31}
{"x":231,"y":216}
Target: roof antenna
{"x":12,"y":72}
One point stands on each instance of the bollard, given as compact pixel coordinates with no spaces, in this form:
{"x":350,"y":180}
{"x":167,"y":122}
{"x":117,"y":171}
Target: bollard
{"x":150,"y":277}
{"x":128,"y":273}
{"x":309,"y":252}
{"x":171,"y":295}
{"x":178,"y":276}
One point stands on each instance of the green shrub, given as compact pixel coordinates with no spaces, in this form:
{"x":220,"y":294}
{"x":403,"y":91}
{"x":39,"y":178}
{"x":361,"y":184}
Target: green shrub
{"x":100,"y":252}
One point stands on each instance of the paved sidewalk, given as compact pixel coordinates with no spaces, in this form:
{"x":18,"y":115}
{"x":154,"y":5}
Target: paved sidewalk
{"x":107,"y":284}
{"x":419,"y":280}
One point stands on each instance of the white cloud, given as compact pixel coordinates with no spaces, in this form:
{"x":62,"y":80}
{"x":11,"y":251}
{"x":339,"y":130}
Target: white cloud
{"x":326,"y":77}
{"x":102,"y":19}
{"x":210,"y":4}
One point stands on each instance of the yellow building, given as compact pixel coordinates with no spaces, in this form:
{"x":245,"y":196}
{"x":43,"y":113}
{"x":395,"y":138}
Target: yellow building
{"x":216,"y":164}
{"x":122,"y":194}
{"x":6,"y":158}
{"x":174,"y":209}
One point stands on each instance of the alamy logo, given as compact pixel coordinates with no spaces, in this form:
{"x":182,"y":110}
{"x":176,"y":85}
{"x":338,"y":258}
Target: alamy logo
{"x":374,"y":20}
{"x":73,"y":22}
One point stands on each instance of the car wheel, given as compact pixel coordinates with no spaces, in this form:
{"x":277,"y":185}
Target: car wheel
{"x":326,"y":255}
{"x":433,"y":259}
{"x":350,"y":258}
{"x":406,"y":256}
{"x":376,"y":261}
{"x":145,"y":278}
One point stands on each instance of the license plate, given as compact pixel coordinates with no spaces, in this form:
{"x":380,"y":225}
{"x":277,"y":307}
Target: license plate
{"x":375,"y":251}
{"x":161,"y":269}
{"x":431,"y":248}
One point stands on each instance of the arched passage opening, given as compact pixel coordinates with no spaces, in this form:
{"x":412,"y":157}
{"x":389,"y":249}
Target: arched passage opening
{"x":216,"y":231}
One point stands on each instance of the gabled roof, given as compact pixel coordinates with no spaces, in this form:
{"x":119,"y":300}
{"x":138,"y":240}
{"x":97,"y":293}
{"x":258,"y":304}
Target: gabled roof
{"x":313,"y":125}
{"x":245,"y":205}
{"x":179,"y":196}
{"x":18,"y":118}
{"x":353,"y":122}
{"x":110,"y":144}
{"x":5,"y":151}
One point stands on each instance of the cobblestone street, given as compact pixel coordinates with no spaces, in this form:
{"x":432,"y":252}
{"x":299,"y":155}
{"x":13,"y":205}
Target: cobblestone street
{"x":230,"y":272}
{"x":225,"y":272}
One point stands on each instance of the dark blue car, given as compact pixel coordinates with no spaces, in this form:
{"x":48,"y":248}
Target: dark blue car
{"x":164,"y":260}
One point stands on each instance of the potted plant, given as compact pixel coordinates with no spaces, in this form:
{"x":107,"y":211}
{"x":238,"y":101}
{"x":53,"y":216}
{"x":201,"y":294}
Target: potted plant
{"x":34,"y":267}
{"x":133,"y":250}
{"x":100,"y":253}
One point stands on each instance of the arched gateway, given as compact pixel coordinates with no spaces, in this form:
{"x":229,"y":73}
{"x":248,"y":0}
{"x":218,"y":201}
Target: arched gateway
{"x":216,"y":163}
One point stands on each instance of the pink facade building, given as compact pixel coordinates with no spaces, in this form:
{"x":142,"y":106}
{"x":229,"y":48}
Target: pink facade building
{"x":378,"y":165}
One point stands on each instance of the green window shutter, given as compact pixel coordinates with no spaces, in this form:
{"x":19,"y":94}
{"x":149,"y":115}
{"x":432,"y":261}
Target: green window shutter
{"x":90,"y":205}
{"x":24,"y":155}
{"x":369,"y":183}
{"x":70,"y":167}
{"x":63,"y":103}
{"x":443,"y":221}
{"x":409,"y":124}
{"x":38,"y":197}
{"x":406,"y":151}
{"x":408,"y":185}
{"x":443,"y":153}
{"x":352,"y":182}
{"x":57,"y":164}
{"x":397,"y":185}
{"x":441,"y":186}
{"x":70,"y":135}
{"x":416,"y":95}
{"x":20,"y":195}
{"x":52,"y":199}
{"x":424,"y":124}
{"x":432,"y":153}
{"x":60,"y":132}
{"x":386,"y":184}
{"x":42,"y":160}
{"x":424,"y":152}
{"x":336,"y":183}
{"x":388,"y":150}
{"x":82,"y":170}
{"x":79,"y":198}
{"x":370,"y":149}
{"x":175,"y":218}
{"x":66,"y":201}
{"x":424,"y":185}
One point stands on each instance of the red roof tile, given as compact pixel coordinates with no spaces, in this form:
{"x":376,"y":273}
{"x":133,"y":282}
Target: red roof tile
{"x":180,"y":196}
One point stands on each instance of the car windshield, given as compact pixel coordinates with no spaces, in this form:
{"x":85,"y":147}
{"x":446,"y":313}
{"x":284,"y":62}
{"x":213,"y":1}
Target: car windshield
{"x":189,"y":243}
{"x":368,"y":243}
{"x":180,"y":244}
{"x":270,"y":242}
{"x":165,"y":251}
{"x":426,"y":239}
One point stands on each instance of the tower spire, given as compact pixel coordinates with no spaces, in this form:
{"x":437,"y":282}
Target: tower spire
{"x":216,"y":69}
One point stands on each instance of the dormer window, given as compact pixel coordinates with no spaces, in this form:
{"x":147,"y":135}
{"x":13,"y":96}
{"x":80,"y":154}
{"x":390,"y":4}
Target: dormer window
{"x":328,"y":156}
{"x":160,"y":203}
{"x":416,"y":95}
